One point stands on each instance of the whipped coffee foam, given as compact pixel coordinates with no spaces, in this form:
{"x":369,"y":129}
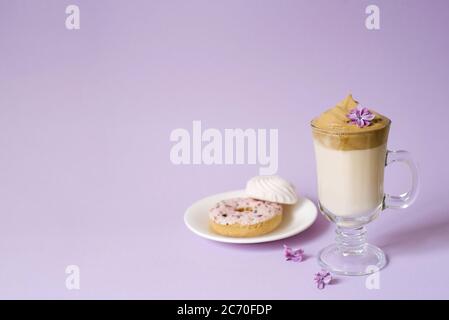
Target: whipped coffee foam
{"x":334,"y":130}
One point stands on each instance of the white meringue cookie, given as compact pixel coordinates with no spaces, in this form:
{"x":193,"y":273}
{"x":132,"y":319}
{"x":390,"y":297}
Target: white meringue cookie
{"x":271,"y":188}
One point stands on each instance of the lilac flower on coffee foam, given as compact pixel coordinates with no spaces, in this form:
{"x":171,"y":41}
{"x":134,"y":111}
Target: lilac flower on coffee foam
{"x":322,"y":278}
{"x":293,"y":255}
{"x":361,"y":116}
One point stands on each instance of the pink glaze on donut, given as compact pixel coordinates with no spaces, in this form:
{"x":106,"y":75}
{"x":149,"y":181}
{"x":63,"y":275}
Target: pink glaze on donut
{"x":244,"y":211}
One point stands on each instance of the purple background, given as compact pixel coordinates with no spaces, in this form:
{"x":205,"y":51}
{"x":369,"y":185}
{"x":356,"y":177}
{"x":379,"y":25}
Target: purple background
{"x":85,"y":119}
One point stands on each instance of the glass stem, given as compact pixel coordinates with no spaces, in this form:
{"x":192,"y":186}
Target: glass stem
{"x":351,"y":241}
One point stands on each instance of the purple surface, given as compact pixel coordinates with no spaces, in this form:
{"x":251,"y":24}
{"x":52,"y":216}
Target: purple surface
{"x":85,"y":119}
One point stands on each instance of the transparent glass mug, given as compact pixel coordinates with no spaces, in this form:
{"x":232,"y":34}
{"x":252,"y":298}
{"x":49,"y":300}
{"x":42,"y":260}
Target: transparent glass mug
{"x":350,"y":173}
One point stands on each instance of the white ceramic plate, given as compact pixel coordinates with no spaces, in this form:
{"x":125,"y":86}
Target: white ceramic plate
{"x":297,"y":218}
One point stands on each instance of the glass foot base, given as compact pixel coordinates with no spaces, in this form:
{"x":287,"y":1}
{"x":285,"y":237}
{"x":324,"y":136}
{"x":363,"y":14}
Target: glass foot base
{"x":366,"y":261}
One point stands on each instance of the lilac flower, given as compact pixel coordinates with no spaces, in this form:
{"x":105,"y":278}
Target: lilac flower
{"x":322,"y":278}
{"x":361,"y":116}
{"x":293,"y":255}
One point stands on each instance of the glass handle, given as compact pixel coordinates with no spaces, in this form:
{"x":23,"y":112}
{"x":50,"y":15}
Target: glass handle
{"x":406,"y":199}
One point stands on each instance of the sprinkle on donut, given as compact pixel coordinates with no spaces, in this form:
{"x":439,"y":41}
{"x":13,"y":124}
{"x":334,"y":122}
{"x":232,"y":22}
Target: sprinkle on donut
{"x":244,"y":211}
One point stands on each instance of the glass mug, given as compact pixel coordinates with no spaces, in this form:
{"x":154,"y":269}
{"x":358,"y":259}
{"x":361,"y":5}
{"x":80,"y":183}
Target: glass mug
{"x":350,"y":173}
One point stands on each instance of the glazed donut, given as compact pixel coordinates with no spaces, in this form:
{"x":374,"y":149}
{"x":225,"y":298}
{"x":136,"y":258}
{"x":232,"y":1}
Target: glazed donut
{"x":244,"y":217}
